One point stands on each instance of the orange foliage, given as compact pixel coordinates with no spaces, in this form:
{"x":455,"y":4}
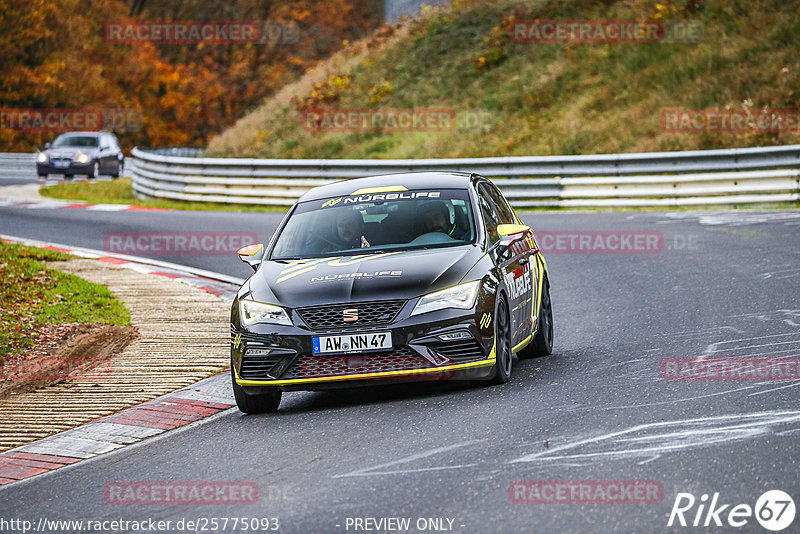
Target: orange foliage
{"x":56,"y":55}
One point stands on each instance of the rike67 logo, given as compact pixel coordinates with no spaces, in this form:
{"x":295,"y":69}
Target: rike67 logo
{"x":774,"y":510}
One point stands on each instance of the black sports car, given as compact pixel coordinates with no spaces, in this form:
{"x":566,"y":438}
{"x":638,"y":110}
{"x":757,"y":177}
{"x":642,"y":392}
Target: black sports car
{"x":391,"y":278}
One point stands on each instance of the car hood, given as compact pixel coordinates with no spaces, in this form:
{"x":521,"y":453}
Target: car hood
{"x":69,"y":152}
{"x":395,"y":275}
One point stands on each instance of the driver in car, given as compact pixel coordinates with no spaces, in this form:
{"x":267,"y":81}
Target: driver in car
{"x":350,"y":229}
{"x":348,"y":234}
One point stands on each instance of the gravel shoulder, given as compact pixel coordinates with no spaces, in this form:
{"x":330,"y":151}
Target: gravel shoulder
{"x":183,"y":338}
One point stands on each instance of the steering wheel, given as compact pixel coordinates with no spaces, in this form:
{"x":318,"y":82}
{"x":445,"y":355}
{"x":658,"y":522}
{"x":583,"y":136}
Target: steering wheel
{"x":321,"y":240}
{"x":431,"y":238}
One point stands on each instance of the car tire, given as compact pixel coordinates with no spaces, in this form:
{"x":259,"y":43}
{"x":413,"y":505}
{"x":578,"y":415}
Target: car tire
{"x":502,"y":336}
{"x":67,"y":176}
{"x":542,"y":343}
{"x":117,"y":170}
{"x":95,"y":171}
{"x":43,"y":177}
{"x":253,"y":404}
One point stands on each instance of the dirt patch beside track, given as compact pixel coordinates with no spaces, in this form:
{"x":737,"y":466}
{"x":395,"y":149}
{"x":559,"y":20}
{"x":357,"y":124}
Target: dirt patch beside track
{"x":65,"y":352}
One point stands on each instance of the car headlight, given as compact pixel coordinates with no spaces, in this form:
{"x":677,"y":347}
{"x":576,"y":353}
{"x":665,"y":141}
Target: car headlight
{"x":42,"y":157}
{"x":461,"y":297}
{"x":81,"y":157}
{"x":252,"y":312}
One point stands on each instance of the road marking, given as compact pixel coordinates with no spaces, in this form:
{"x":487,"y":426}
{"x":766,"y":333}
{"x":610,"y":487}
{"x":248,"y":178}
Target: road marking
{"x":371,"y":471}
{"x":774,"y":389}
{"x":713,"y":348}
{"x":655,"y":439}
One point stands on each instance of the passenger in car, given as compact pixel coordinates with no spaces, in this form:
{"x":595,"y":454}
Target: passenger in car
{"x":436,"y":218}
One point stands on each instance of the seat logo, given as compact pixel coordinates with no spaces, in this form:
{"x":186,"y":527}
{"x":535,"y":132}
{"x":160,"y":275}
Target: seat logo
{"x":350,"y":316}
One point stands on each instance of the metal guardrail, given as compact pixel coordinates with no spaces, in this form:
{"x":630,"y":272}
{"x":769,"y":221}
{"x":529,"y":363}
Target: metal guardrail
{"x":14,"y":165}
{"x":731,"y":176}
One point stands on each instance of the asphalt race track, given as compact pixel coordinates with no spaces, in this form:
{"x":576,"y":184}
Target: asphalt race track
{"x":717,"y":284}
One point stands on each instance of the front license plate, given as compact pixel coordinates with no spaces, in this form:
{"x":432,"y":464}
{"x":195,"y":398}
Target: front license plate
{"x":352,"y":343}
{"x":61,"y":164}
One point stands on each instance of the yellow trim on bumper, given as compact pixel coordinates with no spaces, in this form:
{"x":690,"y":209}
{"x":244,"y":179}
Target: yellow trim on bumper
{"x":386,"y":374}
{"x":490,"y":360}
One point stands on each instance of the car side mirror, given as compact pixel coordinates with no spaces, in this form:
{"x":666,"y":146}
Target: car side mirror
{"x":509,"y":234}
{"x":252,"y":255}
{"x":47,"y":145}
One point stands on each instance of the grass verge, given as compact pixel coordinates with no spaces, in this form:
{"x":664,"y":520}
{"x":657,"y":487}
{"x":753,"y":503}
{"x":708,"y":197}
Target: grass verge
{"x":33,"y":295}
{"x":522,"y":99}
{"x":120,"y":192}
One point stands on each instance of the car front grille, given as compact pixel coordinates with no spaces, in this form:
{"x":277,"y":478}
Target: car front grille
{"x":401,"y":359}
{"x":369,"y":314}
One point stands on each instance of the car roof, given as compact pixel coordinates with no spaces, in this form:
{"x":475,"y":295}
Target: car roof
{"x":409,"y":180}
{"x":92,"y":133}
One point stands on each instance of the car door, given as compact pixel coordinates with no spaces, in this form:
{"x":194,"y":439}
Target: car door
{"x":115,"y":158}
{"x":104,"y":155}
{"x":515,"y":263}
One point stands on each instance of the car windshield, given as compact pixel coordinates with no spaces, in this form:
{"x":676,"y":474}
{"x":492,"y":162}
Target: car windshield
{"x":377,"y":222}
{"x":75,"y":140}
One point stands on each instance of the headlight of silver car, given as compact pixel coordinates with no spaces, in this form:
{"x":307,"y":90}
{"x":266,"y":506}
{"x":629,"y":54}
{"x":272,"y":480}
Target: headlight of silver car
{"x":42,"y":157}
{"x":80,"y":157}
{"x":252,"y":312}
{"x":461,"y":297}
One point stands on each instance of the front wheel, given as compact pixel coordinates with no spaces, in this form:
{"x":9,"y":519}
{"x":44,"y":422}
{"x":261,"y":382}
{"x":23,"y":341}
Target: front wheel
{"x":117,"y":170}
{"x":502,"y":341}
{"x":95,"y":170}
{"x":542,"y":343}
{"x":258,"y":403}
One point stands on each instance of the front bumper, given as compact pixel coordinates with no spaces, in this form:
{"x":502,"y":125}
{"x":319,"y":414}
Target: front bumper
{"x":417,"y":353}
{"x":72,"y":168}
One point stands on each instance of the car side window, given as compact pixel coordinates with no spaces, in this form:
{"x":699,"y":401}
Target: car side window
{"x":503,"y":209}
{"x":491,"y":217}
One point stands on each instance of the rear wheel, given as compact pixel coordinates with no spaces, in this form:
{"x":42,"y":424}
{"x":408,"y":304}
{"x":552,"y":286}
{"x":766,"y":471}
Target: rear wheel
{"x":542,"y":343}
{"x":258,"y":403}
{"x":502,"y":337}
